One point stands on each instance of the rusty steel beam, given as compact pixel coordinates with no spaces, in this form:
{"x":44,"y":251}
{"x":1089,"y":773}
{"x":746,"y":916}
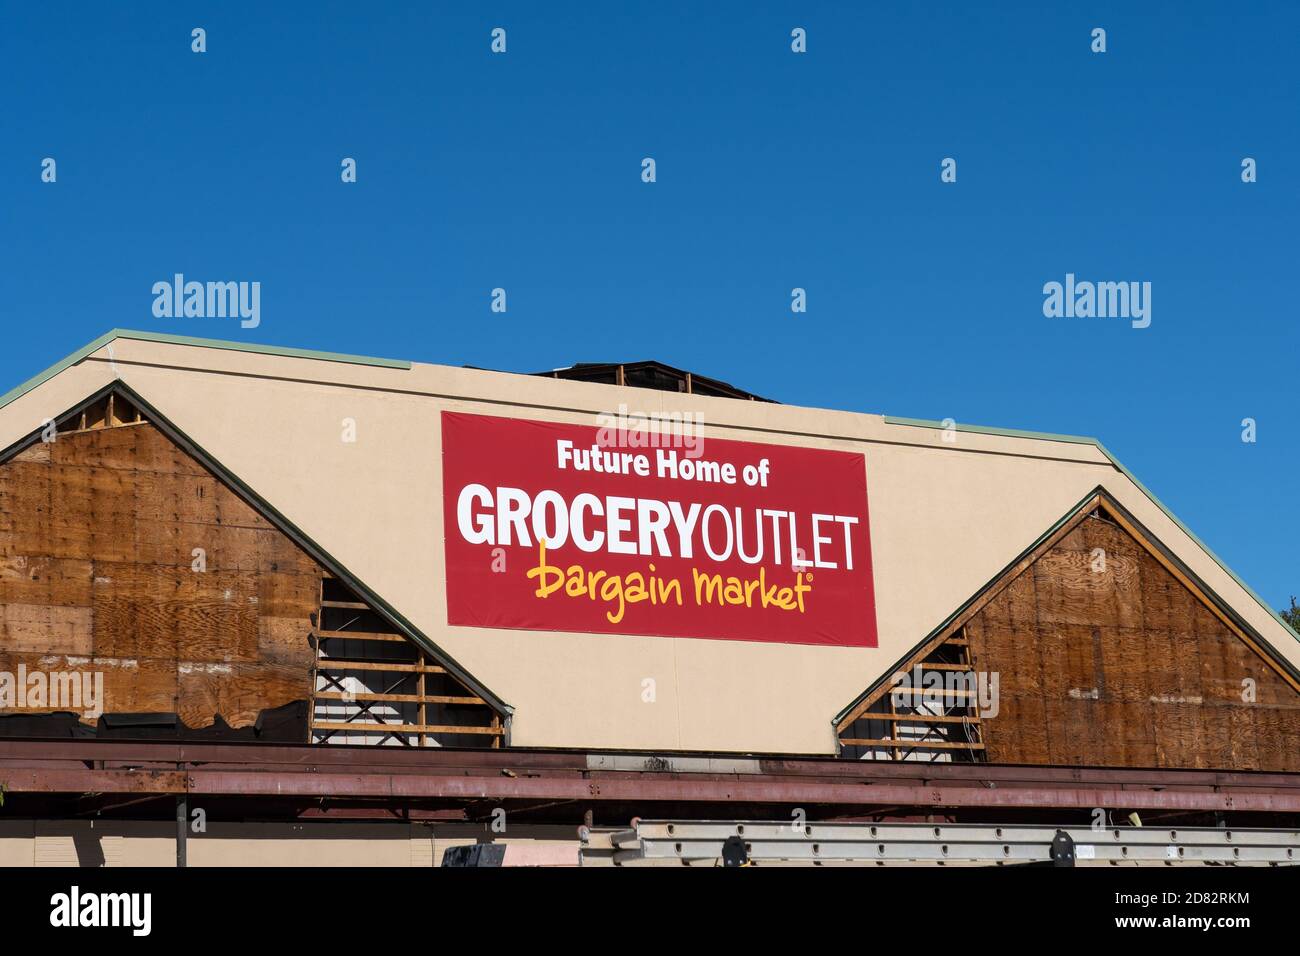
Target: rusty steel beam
{"x":56,"y":780}
{"x":410,"y":786}
{"x":314,"y":758}
{"x":371,"y":773}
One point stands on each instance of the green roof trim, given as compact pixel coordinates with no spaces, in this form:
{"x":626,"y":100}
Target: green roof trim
{"x":262,"y":349}
{"x":986,"y":430}
{"x":41,"y":378}
{"x":1115,"y":462}
{"x":108,"y":338}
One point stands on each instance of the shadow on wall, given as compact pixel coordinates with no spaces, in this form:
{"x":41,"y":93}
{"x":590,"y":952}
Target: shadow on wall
{"x":90,"y":851}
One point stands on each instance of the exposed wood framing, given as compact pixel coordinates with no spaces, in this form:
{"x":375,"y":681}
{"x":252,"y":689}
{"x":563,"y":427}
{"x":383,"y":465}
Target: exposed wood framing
{"x":920,"y":717}
{"x":373,"y":686}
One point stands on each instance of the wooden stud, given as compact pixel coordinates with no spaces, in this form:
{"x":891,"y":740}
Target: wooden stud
{"x":894,"y":742}
{"x":421,"y":714}
{"x":311,"y":701}
{"x":400,"y":698}
{"x":914,"y":718}
{"x":329,"y":664}
{"x":931,"y":692}
{"x":408,"y":728}
{"x":361,"y":636}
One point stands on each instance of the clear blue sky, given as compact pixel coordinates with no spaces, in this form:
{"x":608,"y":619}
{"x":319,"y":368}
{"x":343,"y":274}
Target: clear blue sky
{"x":775,"y":170}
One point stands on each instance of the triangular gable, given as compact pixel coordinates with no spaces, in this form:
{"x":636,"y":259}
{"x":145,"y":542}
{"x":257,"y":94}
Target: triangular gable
{"x":1052,"y":594}
{"x":117,"y":404}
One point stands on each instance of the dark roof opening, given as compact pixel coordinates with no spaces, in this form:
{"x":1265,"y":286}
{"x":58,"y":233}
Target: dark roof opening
{"x":651,"y":375}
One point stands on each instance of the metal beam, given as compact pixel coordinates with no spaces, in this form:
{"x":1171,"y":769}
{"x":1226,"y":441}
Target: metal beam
{"x":642,"y":788}
{"x":138,"y":755}
{"x":455,"y":776}
{"x":182,"y":830}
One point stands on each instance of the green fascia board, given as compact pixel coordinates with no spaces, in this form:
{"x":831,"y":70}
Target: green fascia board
{"x":1115,"y":462}
{"x":41,"y":378}
{"x":109,"y":337}
{"x":986,"y":430}
{"x":262,"y":349}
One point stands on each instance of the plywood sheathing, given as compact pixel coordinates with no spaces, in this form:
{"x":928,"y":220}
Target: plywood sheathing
{"x":98,"y":537}
{"x":1108,"y":655}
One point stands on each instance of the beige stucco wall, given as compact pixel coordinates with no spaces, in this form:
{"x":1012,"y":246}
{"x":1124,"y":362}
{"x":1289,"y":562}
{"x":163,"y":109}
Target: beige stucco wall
{"x":945,"y":517}
{"x":114,"y":843}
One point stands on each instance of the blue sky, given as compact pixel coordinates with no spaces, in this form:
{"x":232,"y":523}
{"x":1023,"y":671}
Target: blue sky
{"x":774,"y":171}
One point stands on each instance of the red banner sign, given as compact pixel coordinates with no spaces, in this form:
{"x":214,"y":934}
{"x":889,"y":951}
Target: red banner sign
{"x":631,"y":531}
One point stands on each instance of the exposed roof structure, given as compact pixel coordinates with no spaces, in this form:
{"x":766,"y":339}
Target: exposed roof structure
{"x":650,"y":374}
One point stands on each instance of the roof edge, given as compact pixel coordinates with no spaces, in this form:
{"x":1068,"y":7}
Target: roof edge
{"x":1122,"y":469}
{"x":169,"y":339}
{"x":989,"y":430}
{"x":40,"y":378}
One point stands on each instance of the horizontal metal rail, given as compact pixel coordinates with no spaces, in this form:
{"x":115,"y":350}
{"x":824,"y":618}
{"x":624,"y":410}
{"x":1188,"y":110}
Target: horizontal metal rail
{"x":813,"y":843}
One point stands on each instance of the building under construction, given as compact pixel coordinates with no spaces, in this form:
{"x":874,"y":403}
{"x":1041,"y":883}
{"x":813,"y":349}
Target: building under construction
{"x":268,"y":605}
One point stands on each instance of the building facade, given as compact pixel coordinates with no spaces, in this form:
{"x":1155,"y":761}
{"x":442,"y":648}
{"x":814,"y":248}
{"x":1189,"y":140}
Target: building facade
{"x":640,"y":576}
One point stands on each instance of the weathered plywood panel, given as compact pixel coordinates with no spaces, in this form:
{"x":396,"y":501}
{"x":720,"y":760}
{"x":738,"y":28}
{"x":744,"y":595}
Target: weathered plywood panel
{"x":155,"y":452}
{"x":25,"y":508}
{"x":45,"y":628}
{"x":1021,"y":731}
{"x":176,"y":613}
{"x":285,"y":640}
{"x":1124,"y":666}
{"x":238,"y":692}
{"x":120,"y":554}
{"x":37,"y":579}
{"x":138,"y":685}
